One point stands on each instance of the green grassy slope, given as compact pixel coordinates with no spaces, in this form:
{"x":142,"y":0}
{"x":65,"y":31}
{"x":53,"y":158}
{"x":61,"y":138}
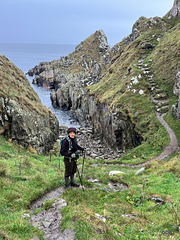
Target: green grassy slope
{"x":131,"y":214}
{"x":23,"y":178}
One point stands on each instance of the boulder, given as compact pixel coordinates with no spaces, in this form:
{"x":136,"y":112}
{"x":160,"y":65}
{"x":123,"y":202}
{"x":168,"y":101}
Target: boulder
{"x":112,"y":173}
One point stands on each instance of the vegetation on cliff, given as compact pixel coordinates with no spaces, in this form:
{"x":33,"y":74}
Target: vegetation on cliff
{"x":109,"y":89}
{"x":14,"y":85}
{"x":23,"y":118}
{"x":120,"y":87}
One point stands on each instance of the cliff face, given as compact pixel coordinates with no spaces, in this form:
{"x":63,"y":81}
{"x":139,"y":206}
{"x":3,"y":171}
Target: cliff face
{"x":23,"y":118}
{"x":176,"y":106}
{"x":107,"y":89}
{"x":175,"y":10}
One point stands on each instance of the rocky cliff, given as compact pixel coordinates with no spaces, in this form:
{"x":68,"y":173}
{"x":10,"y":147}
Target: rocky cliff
{"x":23,"y":118}
{"x":176,"y":106}
{"x":72,"y":75}
{"x":175,"y":10}
{"x":107,"y":89}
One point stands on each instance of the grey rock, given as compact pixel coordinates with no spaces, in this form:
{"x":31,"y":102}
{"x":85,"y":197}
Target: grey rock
{"x":176,"y":106}
{"x":28,"y":128}
{"x":140,"y":171}
{"x":46,"y":224}
{"x":111,"y":173}
{"x":175,"y":10}
{"x":158,"y":200}
{"x":141,"y":25}
{"x":102,"y":218}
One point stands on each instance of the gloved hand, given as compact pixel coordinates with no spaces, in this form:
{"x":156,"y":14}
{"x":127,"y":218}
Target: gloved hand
{"x":77,"y":154}
{"x":73,"y":155}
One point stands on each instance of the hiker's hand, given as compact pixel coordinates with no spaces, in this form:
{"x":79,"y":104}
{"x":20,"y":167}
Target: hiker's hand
{"x":77,"y":154}
{"x":73,"y":155}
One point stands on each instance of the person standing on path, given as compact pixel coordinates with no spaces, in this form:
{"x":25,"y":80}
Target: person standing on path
{"x":69,"y":150}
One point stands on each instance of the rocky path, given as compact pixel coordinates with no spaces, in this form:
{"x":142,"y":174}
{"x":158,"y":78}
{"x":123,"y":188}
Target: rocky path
{"x":161,"y":104}
{"x":49,"y":220}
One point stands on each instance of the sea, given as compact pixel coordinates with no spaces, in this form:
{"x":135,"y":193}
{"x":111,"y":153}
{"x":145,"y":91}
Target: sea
{"x":26,"y":56}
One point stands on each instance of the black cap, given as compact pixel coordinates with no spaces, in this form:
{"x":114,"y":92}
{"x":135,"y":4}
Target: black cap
{"x":71,"y":130}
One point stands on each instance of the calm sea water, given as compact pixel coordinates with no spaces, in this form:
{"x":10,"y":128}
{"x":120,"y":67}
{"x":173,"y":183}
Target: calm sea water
{"x":26,"y":56}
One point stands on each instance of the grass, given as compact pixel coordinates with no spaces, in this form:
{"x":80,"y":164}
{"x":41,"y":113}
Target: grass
{"x":24,"y":177}
{"x":129,"y":214}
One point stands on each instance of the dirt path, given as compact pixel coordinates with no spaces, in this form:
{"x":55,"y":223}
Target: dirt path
{"x":173,"y":146}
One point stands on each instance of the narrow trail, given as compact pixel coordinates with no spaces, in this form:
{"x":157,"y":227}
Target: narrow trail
{"x":49,"y":221}
{"x":161,"y":103}
{"x":171,"y":148}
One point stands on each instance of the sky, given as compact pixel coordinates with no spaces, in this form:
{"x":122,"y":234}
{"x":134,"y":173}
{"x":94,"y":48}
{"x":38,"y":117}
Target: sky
{"x":72,"y":21}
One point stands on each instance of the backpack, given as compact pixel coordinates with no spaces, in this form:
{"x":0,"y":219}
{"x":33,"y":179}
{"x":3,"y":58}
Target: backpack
{"x":70,"y":144}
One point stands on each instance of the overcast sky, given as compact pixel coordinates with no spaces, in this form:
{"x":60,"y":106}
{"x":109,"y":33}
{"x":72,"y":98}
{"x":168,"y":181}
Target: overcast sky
{"x":72,"y":21}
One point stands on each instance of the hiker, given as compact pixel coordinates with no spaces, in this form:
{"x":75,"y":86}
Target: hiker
{"x":69,"y":150}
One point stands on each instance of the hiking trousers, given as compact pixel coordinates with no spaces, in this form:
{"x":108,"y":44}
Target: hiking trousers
{"x":70,"y":166}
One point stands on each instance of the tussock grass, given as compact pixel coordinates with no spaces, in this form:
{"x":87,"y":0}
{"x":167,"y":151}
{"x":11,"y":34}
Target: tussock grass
{"x":15,"y":86}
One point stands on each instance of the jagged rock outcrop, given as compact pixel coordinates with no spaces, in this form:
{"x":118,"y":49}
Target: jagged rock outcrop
{"x":176,"y":106}
{"x":71,"y":75}
{"x":175,"y":10}
{"x":94,"y":82}
{"x":23,"y":118}
{"x":142,"y":25}
{"x":86,"y":63}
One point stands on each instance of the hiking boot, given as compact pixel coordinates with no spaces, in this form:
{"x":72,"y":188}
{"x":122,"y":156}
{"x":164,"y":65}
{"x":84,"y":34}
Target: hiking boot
{"x":73,"y":184}
{"x":66,"y":185}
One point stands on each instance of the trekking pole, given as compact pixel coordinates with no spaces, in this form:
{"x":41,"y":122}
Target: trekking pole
{"x":83,"y":162}
{"x":80,"y":179}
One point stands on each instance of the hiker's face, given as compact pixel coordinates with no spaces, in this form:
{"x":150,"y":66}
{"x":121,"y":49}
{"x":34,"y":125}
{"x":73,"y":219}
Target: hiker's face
{"x":72,"y":135}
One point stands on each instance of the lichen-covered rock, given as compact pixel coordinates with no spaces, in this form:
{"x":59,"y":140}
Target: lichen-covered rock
{"x":142,"y":25}
{"x":176,"y":106}
{"x":175,"y":10}
{"x":23,"y":118}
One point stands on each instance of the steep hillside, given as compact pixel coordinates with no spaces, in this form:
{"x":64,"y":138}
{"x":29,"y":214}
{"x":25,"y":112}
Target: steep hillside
{"x":119,"y":91}
{"x":23,"y":118}
{"x":126,"y":88}
{"x":166,"y":59}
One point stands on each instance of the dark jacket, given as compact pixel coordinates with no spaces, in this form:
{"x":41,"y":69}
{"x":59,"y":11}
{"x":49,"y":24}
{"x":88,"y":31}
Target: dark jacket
{"x":75,"y":147}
